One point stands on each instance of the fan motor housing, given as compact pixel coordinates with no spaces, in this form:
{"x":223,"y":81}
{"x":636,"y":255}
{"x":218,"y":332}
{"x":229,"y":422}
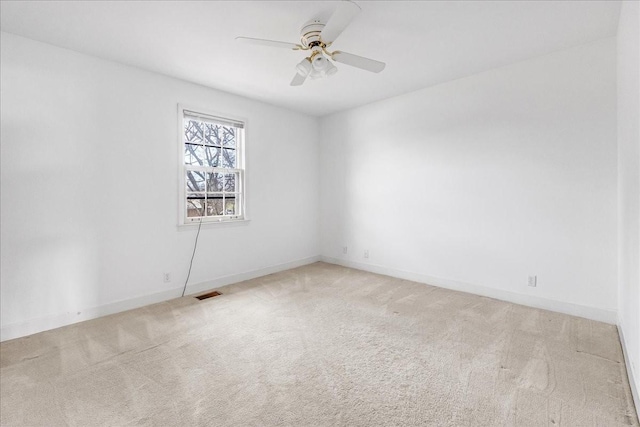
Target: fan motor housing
{"x":310,"y":33}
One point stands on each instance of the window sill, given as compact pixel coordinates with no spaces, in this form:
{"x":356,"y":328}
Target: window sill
{"x":214,"y":224}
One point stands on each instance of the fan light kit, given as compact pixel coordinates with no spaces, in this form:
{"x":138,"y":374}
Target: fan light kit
{"x":316,"y":37}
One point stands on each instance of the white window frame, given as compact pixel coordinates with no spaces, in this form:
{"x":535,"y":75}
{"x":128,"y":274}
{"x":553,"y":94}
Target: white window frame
{"x":240,"y":168}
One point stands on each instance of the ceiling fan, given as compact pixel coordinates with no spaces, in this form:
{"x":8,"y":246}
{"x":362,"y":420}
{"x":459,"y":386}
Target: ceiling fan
{"x":316,"y":37}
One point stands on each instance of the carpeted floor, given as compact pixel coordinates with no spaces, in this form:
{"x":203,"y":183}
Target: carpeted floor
{"x":320,"y":345}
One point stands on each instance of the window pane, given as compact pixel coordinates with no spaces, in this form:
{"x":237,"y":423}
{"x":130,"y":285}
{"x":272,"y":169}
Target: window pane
{"x":195,"y":181}
{"x":228,"y":158}
{"x":239,"y":204}
{"x":195,"y":205}
{"x":230,"y":180}
{"x":211,"y":157}
{"x":214,"y":182}
{"x":229,"y":206}
{"x":229,"y":136}
{"x":193,"y":131}
{"x":212,"y":134}
{"x":194,"y":155}
{"x":214,"y":205}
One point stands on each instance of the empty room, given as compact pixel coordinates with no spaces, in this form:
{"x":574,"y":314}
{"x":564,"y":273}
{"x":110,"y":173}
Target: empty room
{"x":320,"y":213}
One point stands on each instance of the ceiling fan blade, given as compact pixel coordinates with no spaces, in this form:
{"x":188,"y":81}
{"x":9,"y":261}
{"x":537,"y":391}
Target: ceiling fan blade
{"x":298,"y":79}
{"x":272,"y":43}
{"x":358,"y":61}
{"x":342,"y":16}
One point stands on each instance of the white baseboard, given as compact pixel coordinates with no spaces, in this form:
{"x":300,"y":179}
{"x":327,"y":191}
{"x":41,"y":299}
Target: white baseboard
{"x":593,"y":313}
{"x":235,"y":278}
{"x":45,"y":323}
{"x":633,"y":377}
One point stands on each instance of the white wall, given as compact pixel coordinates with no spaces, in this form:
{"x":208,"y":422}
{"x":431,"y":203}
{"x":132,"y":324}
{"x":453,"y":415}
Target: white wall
{"x":90,"y":182}
{"x":629,"y":184}
{"x":478,"y":183}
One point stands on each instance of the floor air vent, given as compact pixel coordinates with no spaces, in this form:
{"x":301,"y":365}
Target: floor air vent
{"x":208,"y":295}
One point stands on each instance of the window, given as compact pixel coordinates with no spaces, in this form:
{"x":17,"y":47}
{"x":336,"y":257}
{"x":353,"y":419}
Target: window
{"x":213,"y":168}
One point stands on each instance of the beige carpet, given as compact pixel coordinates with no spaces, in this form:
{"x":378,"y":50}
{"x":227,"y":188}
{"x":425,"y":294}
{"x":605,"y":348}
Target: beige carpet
{"x":320,"y":345}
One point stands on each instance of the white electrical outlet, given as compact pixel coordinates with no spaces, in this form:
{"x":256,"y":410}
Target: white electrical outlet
{"x":366,"y":253}
{"x":344,"y":250}
{"x":533,"y":281}
{"x":167,"y":277}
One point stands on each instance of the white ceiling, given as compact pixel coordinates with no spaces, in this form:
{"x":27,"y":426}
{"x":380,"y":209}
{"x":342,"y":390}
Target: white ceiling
{"x":423,"y":42}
